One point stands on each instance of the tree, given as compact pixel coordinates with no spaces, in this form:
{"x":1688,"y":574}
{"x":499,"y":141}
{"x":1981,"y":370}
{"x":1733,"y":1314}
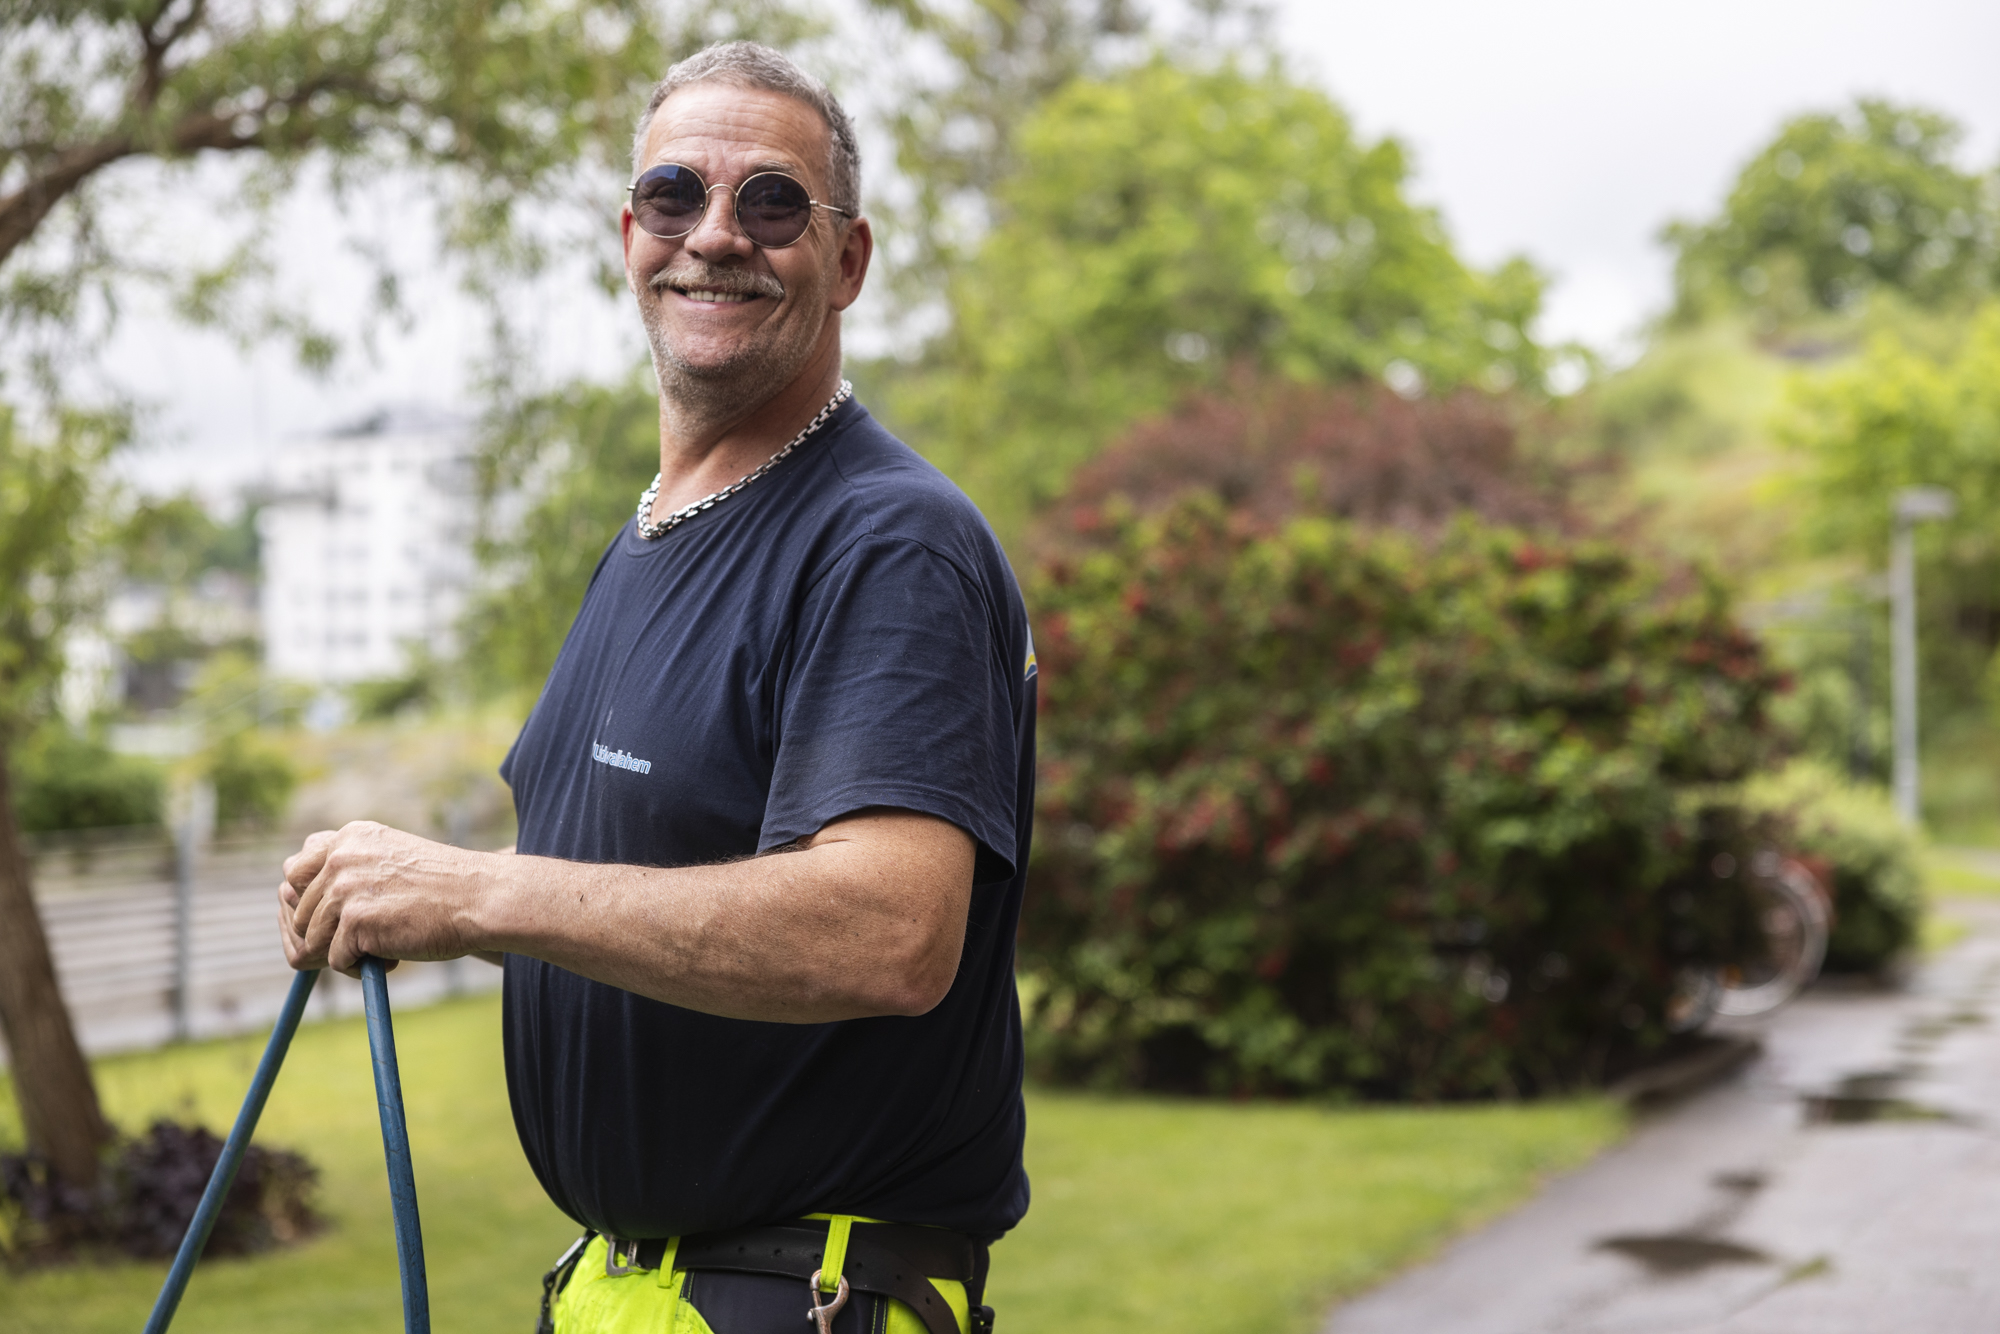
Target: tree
{"x":174,"y":540}
{"x":986,"y":68}
{"x":45,"y":494}
{"x":1166,"y":224}
{"x":502,"y":111}
{"x":582,"y":452}
{"x":1838,"y":206}
{"x":497,"y":107}
{"x":1900,"y":416}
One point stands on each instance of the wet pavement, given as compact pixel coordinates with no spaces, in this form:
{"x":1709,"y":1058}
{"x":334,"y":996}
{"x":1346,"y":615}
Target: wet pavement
{"x":1845,"y":1182}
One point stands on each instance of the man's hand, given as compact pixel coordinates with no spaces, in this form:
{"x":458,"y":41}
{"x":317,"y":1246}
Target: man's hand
{"x":368,"y":889}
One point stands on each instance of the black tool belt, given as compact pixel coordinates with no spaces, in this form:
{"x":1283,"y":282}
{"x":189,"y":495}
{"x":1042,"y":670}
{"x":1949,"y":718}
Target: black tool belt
{"x":889,"y":1259}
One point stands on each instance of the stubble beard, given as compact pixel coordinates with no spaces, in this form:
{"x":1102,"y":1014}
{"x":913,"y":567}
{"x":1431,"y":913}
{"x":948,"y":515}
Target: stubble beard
{"x":755,"y":372}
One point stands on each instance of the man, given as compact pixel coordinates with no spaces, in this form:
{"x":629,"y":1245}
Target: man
{"x":807,"y":643}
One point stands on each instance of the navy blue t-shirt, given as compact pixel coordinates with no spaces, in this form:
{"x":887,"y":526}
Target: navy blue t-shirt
{"x":843,"y":633}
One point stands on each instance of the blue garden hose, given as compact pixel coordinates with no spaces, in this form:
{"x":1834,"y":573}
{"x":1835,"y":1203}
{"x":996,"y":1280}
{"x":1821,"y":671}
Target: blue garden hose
{"x":224,"y":1175}
{"x":395,"y":1147}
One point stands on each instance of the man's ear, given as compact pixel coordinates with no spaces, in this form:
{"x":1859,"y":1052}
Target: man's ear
{"x":625,"y":241}
{"x":857,"y":247}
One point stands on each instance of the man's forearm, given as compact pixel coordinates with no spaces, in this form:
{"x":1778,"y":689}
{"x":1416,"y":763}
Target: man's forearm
{"x":778,"y":938}
{"x":866,"y":919}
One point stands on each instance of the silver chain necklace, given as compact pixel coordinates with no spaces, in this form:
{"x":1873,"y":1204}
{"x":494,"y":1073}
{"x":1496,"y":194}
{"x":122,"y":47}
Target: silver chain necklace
{"x":650,"y":530}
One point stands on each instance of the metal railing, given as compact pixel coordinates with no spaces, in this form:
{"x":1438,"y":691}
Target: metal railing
{"x":152,"y":945}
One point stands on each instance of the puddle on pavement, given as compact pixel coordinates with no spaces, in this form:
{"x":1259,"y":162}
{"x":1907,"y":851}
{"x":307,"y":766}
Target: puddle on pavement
{"x":1670,"y":1254}
{"x":1874,"y":1096}
{"x":1927,"y":1033}
{"x":1924,"y":1034}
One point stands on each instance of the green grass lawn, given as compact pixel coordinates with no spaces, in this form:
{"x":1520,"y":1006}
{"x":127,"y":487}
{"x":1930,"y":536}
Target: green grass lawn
{"x":1954,"y":873}
{"x":1161,"y":1215}
{"x":1149,"y":1214}
{"x":1961,"y":784}
{"x":1961,"y":873}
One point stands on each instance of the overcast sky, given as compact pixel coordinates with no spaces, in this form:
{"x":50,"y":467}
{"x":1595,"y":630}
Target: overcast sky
{"x":1571,"y":130}
{"x":1566,"y":130}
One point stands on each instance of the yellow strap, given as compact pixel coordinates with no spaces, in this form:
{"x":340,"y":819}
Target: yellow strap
{"x":837,"y":1228}
{"x":671,"y":1281}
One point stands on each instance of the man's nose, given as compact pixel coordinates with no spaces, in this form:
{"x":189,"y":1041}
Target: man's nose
{"x":717,"y":234}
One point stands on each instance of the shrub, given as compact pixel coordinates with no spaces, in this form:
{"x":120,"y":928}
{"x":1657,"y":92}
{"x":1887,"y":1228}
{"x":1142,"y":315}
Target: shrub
{"x":381,"y":697}
{"x":253,"y":778}
{"x":65,"y":781}
{"x":1332,"y":808}
{"x":1274,"y":450}
{"x":147,"y":1198}
{"x":1850,"y":836}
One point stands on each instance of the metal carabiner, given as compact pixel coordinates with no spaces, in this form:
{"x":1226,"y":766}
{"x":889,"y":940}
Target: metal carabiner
{"x":621,"y":1257}
{"x":824,"y":1314}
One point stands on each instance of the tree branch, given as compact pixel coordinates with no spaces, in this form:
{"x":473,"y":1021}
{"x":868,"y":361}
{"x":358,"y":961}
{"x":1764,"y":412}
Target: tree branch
{"x":22,"y":211}
{"x":211,"y":128}
{"x":152,"y":67}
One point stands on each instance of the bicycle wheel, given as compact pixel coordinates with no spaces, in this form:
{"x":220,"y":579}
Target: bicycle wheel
{"x":1792,"y":909}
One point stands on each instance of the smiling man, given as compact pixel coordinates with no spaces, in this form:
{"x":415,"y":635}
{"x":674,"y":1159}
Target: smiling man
{"x":774,"y":801}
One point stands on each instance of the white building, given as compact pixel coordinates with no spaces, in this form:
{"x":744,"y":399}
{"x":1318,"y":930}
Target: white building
{"x":367,"y":547}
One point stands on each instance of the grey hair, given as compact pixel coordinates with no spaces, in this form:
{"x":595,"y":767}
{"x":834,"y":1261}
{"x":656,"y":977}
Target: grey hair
{"x":751,"y":65}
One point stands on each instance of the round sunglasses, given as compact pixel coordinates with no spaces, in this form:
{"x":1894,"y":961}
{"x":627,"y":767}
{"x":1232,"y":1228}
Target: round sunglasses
{"x":773,"y":209}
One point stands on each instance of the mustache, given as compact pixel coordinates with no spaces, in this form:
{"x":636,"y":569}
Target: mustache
{"x":692,"y":275}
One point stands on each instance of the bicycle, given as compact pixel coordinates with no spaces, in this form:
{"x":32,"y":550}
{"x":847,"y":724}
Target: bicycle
{"x":1795,"y":913}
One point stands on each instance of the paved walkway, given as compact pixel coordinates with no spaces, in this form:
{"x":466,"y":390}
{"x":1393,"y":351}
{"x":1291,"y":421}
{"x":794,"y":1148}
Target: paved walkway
{"x":1848,"y":1182}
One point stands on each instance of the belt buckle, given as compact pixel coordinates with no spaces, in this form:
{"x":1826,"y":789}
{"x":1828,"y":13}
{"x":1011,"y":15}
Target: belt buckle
{"x":621,"y":1257}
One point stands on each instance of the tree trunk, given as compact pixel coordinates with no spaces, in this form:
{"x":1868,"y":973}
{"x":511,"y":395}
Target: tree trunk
{"x":51,"y":1079}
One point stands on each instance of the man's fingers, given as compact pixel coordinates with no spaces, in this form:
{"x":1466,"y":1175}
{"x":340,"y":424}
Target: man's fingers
{"x":313,"y":891}
{"x":296,"y":953}
{"x":342,"y":934}
{"x":308,"y":903}
{"x":303,"y":871}
{"x":316,"y":928}
{"x":351,"y":944}
{"x":304,"y":864}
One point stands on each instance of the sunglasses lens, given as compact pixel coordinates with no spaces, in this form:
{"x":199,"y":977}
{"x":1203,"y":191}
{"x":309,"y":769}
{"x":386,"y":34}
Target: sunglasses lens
{"x":668,"y":200}
{"x":774,"y":210}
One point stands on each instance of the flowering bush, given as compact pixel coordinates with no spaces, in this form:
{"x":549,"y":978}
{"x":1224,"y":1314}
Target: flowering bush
{"x":1273,"y":450}
{"x":1333,"y":808}
{"x":1849,"y":835}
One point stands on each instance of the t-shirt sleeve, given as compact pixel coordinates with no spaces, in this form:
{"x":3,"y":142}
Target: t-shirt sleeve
{"x":893,"y":694}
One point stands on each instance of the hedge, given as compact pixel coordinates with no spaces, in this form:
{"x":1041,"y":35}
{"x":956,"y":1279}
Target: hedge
{"x":1333,"y":808}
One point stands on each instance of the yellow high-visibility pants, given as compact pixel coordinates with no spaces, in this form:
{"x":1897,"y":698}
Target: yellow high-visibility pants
{"x":648,"y":1301}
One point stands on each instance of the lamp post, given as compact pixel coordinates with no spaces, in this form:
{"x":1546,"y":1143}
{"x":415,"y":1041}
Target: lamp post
{"x":195,"y":827}
{"x":1914,"y":505}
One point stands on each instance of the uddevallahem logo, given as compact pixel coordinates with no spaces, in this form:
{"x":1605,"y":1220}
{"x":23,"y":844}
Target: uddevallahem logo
{"x":619,"y":759}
